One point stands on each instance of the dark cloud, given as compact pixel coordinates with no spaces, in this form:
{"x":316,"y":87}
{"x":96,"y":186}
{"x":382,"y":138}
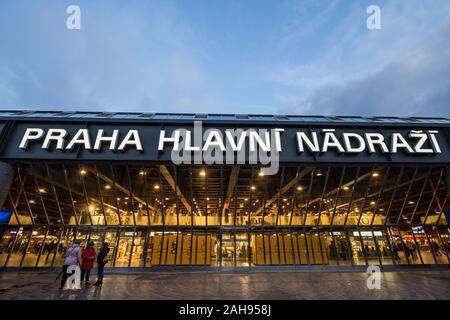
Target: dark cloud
{"x":415,"y":82}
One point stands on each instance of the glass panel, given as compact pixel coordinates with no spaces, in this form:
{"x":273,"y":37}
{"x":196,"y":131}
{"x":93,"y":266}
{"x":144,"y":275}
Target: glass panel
{"x":137,"y":255}
{"x":34,"y":247}
{"x":444,"y":242}
{"x":329,"y":248}
{"x":20,"y":246}
{"x":361,"y":189}
{"x":328,"y":203}
{"x":138,"y":188}
{"x":425,"y":246}
{"x":228,"y":250}
{"x":67,"y":239}
{"x":408,"y":247}
{"x":50,"y":247}
{"x":124,"y":248}
{"x":357,"y":248}
{"x":345,"y":196}
{"x":384,"y":249}
{"x":370,"y":248}
{"x":8,"y":238}
{"x":111,"y":239}
{"x":242,"y":250}
{"x":81,"y":204}
{"x":343,"y":248}
{"x":83,"y":236}
{"x":315,"y":202}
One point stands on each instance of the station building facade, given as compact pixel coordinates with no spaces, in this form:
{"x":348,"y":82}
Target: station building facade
{"x":221,"y":191}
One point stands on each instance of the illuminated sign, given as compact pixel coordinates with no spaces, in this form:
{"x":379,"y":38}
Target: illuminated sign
{"x":82,"y":138}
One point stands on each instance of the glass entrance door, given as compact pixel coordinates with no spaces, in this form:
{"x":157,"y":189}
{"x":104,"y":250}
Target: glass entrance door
{"x":234,"y":249}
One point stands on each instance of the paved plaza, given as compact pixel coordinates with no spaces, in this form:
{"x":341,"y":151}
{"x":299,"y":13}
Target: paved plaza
{"x":412,"y":284}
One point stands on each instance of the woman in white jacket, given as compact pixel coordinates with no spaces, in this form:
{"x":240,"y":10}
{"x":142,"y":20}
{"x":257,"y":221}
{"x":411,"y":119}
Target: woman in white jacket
{"x":73,"y":257}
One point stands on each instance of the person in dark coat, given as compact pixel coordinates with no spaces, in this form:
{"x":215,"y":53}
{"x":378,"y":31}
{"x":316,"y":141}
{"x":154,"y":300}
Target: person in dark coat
{"x":101,"y":261}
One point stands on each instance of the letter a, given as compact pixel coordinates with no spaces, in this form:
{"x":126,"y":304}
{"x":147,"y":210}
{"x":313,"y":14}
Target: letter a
{"x":74,"y":20}
{"x":374,"y":20}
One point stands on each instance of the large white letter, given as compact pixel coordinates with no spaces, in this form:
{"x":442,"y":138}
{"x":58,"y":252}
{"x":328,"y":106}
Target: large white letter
{"x":100,"y":138}
{"x":348,"y":145}
{"x":399,"y":142}
{"x":376,"y":138}
{"x":312,"y":145}
{"x":132,"y":138}
{"x":214,"y":138}
{"x":330,"y":140}
{"x":55,"y":134}
{"x":230,"y":134}
{"x":30,"y":134}
{"x":163,"y":138}
{"x":255,"y":136}
{"x":422,"y":138}
{"x":436,"y":146}
{"x":81,"y":137}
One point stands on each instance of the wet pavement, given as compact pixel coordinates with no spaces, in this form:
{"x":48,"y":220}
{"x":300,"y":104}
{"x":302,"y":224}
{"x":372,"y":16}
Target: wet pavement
{"x":426,"y":284}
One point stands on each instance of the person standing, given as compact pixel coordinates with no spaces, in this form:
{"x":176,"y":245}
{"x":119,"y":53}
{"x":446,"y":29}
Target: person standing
{"x":101,"y":261}
{"x":88,"y":257}
{"x":73,"y":257}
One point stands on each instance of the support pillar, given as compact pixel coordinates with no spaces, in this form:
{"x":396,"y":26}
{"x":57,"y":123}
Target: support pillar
{"x":6,"y":178}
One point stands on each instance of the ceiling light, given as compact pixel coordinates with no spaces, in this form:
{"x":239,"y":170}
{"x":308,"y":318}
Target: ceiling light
{"x":83,"y":172}
{"x":202,"y":173}
{"x":375,"y":174}
{"x":156,"y":186}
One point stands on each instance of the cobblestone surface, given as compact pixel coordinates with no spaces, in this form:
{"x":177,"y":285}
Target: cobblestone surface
{"x":434,"y":284}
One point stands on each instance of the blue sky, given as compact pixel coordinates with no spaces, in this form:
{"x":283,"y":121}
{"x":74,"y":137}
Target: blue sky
{"x":248,"y":56}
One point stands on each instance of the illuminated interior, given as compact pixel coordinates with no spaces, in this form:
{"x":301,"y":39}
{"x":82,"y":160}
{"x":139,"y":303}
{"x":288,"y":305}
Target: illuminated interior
{"x":227,"y":216}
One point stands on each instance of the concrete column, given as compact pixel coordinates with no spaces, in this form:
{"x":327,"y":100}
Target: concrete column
{"x":6,"y":178}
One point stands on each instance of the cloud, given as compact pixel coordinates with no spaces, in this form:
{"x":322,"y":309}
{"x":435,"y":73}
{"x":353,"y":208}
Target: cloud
{"x":302,"y":57}
{"x":139,"y":57}
{"x":403,"y":71}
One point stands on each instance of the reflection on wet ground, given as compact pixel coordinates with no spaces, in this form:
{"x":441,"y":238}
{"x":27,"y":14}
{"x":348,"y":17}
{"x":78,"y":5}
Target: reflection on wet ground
{"x":414,"y":284}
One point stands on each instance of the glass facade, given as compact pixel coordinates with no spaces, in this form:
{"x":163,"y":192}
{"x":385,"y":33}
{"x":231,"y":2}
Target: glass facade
{"x":227,"y":216}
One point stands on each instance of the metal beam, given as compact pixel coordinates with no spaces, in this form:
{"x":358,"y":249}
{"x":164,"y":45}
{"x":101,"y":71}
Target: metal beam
{"x":119,"y":187}
{"x":230,"y":189}
{"x":171,"y":181}
{"x":284,"y":189}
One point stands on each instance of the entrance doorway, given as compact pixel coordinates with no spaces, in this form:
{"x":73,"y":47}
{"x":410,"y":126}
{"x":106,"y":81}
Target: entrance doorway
{"x":234,"y":249}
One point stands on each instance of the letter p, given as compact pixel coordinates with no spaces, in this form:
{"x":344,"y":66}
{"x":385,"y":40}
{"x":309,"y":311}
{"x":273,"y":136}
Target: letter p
{"x":30,"y":134}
